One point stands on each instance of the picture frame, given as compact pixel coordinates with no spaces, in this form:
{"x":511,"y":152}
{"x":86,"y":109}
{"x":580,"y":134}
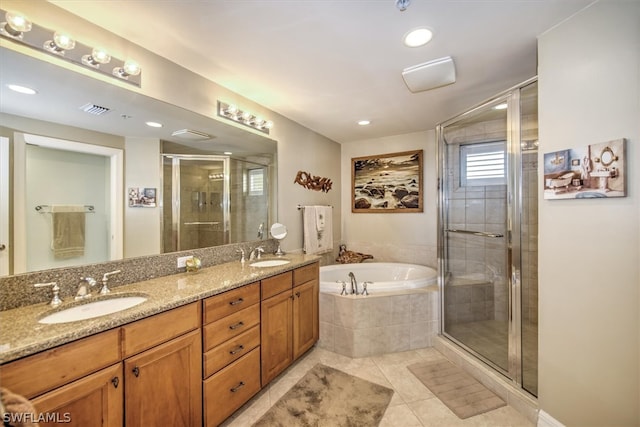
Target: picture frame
{"x":588,"y":172}
{"x":142,"y":197}
{"x":387,"y":183}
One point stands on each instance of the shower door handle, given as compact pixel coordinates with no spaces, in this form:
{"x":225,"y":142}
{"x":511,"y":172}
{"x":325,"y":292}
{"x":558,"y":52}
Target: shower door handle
{"x":201,"y":223}
{"x":475,"y":233}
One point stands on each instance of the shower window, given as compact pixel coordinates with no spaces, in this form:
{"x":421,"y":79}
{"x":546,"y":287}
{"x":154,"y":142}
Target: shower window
{"x":483,"y":164}
{"x":256,"y":182}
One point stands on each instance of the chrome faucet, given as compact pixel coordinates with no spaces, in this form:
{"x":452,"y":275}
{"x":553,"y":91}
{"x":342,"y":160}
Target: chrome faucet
{"x":105,"y":279}
{"x":261,"y":231}
{"x":354,"y":283}
{"x":84,"y":290}
{"x":256,"y":253}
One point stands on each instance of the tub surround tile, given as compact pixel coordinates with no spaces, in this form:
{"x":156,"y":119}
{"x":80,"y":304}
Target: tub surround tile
{"x":21,"y":334}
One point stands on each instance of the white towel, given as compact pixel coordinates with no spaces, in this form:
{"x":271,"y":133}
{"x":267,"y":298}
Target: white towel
{"x":317,"y":240}
{"x":68,"y":231}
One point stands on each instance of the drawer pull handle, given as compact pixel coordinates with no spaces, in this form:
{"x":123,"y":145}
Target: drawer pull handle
{"x":136,"y":371}
{"x":238,"y":387}
{"x":236,"y":326}
{"x":236,"y":302}
{"x":237,"y":350}
{"x":115,"y":381}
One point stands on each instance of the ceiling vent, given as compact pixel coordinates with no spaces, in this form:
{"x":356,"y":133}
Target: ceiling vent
{"x":191,"y":135}
{"x":430,"y":75}
{"x":94,"y":109}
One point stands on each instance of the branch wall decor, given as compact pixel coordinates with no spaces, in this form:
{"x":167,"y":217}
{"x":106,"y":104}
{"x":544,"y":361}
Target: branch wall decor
{"x":311,"y":182}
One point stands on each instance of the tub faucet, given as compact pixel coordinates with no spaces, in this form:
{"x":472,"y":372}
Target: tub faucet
{"x":84,"y":286}
{"x":354,"y":283}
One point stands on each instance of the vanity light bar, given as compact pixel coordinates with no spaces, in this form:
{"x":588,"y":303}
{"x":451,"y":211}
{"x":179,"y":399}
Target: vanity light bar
{"x":17,"y":28}
{"x":232,"y":112}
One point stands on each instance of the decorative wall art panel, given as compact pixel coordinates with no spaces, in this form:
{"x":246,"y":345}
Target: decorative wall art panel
{"x":595,"y":171}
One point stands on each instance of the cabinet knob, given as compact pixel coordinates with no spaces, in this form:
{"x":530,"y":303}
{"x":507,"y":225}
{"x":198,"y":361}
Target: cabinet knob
{"x":115,"y":381}
{"x":136,"y":371}
{"x":298,"y":294}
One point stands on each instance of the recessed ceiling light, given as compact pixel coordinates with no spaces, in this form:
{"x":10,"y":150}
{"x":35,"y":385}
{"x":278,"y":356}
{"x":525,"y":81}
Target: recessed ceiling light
{"x":502,"y":106}
{"x":418,"y":37}
{"x":364,"y":122}
{"x":154,"y":124}
{"x":22,"y":89}
{"x":228,"y":153}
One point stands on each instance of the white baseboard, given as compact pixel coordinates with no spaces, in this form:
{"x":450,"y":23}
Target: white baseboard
{"x":546,"y":420}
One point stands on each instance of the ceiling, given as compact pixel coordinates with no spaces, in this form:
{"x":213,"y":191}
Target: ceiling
{"x":328,"y":63}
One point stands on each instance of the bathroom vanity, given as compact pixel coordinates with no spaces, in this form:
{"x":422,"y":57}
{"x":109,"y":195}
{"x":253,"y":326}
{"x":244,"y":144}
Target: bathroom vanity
{"x":200,"y":347}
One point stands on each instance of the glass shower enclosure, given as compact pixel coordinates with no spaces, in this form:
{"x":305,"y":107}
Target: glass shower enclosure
{"x":488,"y":232}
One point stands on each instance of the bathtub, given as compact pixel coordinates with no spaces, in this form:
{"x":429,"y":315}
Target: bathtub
{"x":384,"y":277}
{"x":399,"y":314}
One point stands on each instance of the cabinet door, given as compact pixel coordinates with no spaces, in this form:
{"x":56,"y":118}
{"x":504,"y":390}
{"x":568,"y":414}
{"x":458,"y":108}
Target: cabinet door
{"x":92,"y":401}
{"x":163,"y":385}
{"x":277,"y":335}
{"x":305,"y":317}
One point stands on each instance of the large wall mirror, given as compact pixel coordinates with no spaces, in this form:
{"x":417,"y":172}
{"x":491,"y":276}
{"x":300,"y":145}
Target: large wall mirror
{"x":194,"y":182}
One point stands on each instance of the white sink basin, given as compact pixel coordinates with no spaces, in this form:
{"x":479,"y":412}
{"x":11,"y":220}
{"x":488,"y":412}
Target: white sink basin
{"x":93,"y":309}
{"x":270,"y":263}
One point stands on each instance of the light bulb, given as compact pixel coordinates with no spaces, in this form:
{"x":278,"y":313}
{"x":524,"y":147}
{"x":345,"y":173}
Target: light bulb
{"x":63,"y":41}
{"x":16,"y":24}
{"x":97,"y":57}
{"x":131,"y":67}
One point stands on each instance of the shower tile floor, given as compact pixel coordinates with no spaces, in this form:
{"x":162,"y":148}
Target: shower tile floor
{"x":490,"y":339}
{"x":412,"y":403}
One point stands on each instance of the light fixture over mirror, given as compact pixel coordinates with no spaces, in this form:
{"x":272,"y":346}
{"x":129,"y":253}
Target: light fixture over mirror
{"x":20,"y":29}
{"x":232,"y":112}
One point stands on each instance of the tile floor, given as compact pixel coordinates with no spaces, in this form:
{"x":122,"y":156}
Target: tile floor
{"x":412,"y":403}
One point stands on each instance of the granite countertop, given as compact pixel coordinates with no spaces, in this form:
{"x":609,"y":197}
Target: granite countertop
{"x":21,"y":334}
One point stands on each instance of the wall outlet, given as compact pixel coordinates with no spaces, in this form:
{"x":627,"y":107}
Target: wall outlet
{"x":182,"y":261}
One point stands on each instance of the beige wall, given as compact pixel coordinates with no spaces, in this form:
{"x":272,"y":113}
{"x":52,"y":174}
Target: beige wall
{"x":590,"y":249}
{"x":142,"y":170}
{"x":393,"y":237}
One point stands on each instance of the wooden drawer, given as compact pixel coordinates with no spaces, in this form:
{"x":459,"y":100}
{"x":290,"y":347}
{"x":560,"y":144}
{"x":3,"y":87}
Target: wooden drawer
{"x":231,"y":350}
{"x":231,"y":326}
{"x":230,"y":388}
{"x":306,"y":273}
{"x":41,"y":372}
{"x":274,"y":285}
{"x":146,"y":333}
{"x":230,"y":302}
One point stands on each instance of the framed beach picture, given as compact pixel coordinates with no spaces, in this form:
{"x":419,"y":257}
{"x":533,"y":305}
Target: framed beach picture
{"x":387,"y":183}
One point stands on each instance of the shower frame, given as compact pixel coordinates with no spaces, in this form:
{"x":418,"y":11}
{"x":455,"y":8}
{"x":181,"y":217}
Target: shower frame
{"x":514,"y":201}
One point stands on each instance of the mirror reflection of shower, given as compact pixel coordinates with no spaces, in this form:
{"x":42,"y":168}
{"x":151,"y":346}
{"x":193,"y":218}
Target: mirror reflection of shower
{"x":211,"y":200}
{"x":195,"y":201}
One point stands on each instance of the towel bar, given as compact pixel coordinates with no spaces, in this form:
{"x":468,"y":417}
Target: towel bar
{"x":47,"y":208}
